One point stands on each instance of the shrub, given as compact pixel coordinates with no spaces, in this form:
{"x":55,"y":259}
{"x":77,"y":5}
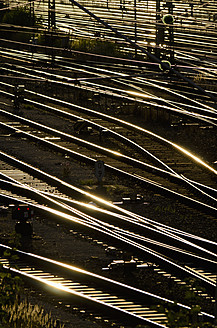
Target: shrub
{"x":19,"y":314}
{"x":96,"y":46}
{"x":20,"y":16}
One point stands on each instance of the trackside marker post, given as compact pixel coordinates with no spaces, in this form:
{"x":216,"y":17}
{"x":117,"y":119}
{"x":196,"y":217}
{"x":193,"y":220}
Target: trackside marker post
{"x":99,"y":170}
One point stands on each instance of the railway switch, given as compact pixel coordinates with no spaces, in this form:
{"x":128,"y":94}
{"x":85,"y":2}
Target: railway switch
{"x":126,"y":266}
{"x":82,"y":127}
{"x":137,"y":198}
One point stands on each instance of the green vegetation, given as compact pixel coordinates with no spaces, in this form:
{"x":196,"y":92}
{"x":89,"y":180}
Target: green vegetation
{"x":165,"y":208}
{"x":10,"y":288}
{"x":182,"y":318}
{"x":20,"y":16}
{"x":178,"y":317}
{"x":87,"y":182}
{"x":51,"y":38}
{"x":28,"y":107}
{"x":96,"y":46}
{"x":15,"y":313}
{"x":24,"y":315}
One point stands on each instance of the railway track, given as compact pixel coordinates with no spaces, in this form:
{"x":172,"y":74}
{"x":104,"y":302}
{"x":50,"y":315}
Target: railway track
{"x":159,"y":271}
{"x":190,"y":22}
{"x":210,"y":273}
{"x":96,"y":126}
{"x":123,"y":16}
{"x":86,"y":84}
{"x":74,"y":285}
{"x":73,"y":132}
{"x":118,"y":79}
{"x":135,"y":91}
{"x":103,"y":150}
{"x":138,"y":242}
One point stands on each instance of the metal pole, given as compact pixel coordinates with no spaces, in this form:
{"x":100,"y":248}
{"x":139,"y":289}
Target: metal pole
{"x":171,"y":35}
{"x":135,"y":26}
{"x":31,"y":12}
{"x":157,"y":37}
{"x":215,"y":304}
{"x":53,"y":15}
{"x":49,"y":18}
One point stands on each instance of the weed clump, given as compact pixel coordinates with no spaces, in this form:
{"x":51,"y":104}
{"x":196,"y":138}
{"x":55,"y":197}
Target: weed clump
{"x":17,"y":313}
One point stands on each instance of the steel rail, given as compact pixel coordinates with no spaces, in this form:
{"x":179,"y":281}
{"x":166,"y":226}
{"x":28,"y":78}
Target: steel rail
{"x":126,"y":242}
{"x":176,"y":48}
{"x":49,"y":197}
{"x":122,"y":74}
{"x":89,"y":4}
{"x":197,"y":189}
{"x":146,"y":82}
{"x":121,"y":122}
{"x":141,"y":180}
{"x":154,"y":245}
{"x":134,"y":218}
{"x":97,"y":199}
{"x":176,"y":108}
{"x":129,"y":125}
{"x":190,"y":184}
{"x":39,"y":46}
{"x":207,"y":108}
{"x":94,"y":125}
{"x":114,"y":154}
{"x":99,"y":280}
{"x":151,"y":56}
{"x":51,"y":201}
{"x":71,"y":51}
{"x":76,"y":290}
{"x":110,"y":205}
{"x":202,"y":189}
{"x":86,"y":80}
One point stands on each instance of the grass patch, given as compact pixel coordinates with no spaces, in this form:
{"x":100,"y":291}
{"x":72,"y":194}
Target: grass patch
{"x":25,"y":315}
{"x":15,"y":313}
{"x":87,"y":182}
